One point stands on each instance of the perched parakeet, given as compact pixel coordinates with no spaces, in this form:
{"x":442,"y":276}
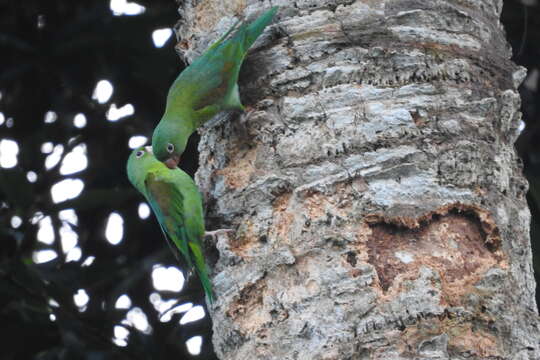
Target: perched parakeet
{"x":206,"y":87}
{"x":177,"y":204}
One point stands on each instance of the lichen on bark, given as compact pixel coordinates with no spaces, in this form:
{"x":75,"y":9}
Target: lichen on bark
{"x":376,"y":196}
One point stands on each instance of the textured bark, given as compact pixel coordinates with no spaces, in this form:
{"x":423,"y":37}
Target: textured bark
{"x":377,"y":200}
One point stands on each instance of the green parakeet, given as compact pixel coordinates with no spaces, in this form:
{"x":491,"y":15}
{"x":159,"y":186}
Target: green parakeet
{"x":177,"y":204}
{"x":206,"y":87}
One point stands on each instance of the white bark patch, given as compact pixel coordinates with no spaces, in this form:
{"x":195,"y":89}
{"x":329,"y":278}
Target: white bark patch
{"x":404,"y":256}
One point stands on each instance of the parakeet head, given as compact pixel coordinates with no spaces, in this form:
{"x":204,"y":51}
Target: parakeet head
{"x":168,"y":143}
{"x":140,"y":160}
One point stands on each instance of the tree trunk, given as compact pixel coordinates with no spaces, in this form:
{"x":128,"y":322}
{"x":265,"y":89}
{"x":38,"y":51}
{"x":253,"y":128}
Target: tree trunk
{"x":378,"y":203}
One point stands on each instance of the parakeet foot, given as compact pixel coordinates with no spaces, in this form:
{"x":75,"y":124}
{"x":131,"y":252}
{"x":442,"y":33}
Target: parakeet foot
{"x":214,"y":234}
{"x":248,"y":112}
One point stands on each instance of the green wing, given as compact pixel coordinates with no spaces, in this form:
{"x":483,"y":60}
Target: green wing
{"x":167,"y":201}
{"x":209,"y":84}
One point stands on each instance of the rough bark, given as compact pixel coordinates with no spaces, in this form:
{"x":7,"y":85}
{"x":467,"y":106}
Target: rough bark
{"x":376,"y":196}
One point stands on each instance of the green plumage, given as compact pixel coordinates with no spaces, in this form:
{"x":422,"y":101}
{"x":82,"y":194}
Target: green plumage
{"x":177,"y":204}
{"x":208,"y":86}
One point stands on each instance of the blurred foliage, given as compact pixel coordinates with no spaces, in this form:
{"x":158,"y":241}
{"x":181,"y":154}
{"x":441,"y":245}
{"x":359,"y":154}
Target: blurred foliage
{"x":522,"y":25}
{"x":53,"y":54}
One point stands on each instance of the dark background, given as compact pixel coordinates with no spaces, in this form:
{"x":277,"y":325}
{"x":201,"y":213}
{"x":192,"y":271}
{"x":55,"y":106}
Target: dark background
{"x":52,"y":54}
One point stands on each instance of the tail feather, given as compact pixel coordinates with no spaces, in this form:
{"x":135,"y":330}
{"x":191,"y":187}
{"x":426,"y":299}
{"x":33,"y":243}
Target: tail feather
{"x":200,"y":267}
{"x":250,"y":32}
{"x":223,"y":37}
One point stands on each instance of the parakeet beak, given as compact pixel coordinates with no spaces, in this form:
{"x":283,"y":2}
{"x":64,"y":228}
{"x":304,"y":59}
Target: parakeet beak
{"x":172,"y":162}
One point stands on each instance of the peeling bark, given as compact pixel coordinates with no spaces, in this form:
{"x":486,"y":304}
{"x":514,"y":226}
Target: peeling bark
{"x":377,"y":199}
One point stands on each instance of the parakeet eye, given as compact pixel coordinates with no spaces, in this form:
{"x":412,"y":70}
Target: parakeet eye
{"x":139,"y":153}
{"x":170,"y":148}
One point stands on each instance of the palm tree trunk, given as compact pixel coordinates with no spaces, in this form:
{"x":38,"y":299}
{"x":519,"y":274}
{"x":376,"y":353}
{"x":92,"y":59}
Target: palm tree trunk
{"x":378,"y":203}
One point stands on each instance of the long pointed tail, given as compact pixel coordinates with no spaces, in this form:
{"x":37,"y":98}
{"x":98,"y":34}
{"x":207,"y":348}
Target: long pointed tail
{"x":250,"y":32}
{"x":200,"y":267}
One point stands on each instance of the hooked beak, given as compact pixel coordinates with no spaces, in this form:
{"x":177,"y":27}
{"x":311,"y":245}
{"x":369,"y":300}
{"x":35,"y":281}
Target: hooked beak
{"x":172,"y":162}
